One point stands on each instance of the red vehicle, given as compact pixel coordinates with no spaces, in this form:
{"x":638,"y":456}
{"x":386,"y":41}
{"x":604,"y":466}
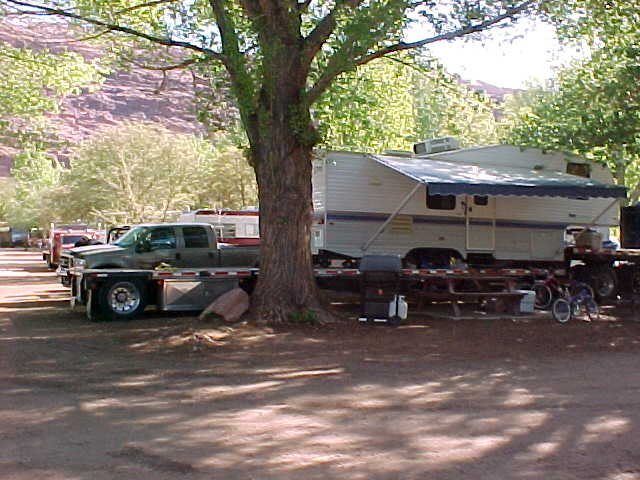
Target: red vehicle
{"x":66,"y":236}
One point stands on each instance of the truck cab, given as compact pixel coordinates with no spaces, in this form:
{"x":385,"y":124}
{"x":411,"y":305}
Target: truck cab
{"x":178,"y":245}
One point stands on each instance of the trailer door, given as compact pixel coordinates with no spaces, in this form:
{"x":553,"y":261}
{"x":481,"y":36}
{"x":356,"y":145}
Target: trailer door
{"x":480,"y":218}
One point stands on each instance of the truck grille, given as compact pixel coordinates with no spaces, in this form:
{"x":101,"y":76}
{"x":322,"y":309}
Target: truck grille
{"x":65,"y":261}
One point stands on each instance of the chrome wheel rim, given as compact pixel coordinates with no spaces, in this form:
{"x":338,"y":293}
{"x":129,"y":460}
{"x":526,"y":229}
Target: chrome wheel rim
{"x":123,"y":298}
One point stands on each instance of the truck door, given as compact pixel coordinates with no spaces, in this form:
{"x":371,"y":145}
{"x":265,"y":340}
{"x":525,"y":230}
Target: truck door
{"x":480,"y":218}
{"x":196,"y":251}
{"x":159,"y":245}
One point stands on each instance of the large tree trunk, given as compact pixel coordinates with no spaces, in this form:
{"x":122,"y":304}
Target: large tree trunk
{"x":286,"y":289}
{"x":282,"y":139}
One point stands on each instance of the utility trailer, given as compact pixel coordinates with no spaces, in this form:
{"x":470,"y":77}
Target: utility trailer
{"x":125,"y":293}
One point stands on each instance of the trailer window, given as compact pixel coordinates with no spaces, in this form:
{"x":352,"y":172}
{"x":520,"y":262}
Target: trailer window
{"x":229,"y":230}
{"x":252,"y":230}
{"x":481,"y":200}
{"x":195,"y":237}
{"x":441,"y":202}
{"x":579,"y":169}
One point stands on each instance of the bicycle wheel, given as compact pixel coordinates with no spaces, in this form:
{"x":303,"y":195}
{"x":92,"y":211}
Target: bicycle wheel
{"x":591,"y":309}
{"x":576,"y":306}
{"x":544,"y":296}
{"x":561,"y":310}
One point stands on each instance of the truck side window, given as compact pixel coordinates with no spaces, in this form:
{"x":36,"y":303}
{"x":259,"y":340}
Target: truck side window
{"x":162,"y":238}
{"x":195,"y":237}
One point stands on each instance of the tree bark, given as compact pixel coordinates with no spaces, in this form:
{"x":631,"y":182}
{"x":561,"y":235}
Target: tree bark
{"x":286,"y":285}
{"x":282,"y":137}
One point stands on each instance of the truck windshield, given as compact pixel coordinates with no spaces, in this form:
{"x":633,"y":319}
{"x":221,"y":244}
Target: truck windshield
{"x":131,"y":237}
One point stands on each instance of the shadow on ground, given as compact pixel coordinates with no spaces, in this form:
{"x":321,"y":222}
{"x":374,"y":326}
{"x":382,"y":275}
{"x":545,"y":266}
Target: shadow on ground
{"x":436,"y":399}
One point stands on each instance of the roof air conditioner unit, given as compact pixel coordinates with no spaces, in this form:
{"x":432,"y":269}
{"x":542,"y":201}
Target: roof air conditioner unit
{"x":436,"y":145}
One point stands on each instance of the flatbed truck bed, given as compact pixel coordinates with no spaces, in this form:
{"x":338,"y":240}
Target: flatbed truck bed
{"x":124,"y":293}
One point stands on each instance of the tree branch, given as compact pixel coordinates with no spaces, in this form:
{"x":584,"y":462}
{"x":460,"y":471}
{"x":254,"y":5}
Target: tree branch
{"x":166,"y":68}
{"x":303,"y":6}
{"x":446,"y":36}
{"x":115,"y":28}
{"x":323,"y":30}
{"x":153,"y":3}
{"x":336,"y":69}
{"x":235,"y":63}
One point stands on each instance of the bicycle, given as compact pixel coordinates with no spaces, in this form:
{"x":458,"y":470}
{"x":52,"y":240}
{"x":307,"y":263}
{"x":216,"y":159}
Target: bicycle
{"x":547,"y":291}
{"x":577,"y":299}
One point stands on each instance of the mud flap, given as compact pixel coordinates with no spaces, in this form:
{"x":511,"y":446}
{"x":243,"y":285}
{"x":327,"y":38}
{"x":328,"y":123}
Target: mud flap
{"x":94,"y":314}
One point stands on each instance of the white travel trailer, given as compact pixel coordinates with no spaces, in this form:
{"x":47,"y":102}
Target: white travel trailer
{"x":239,"y":227}
{"x":485,"y":204}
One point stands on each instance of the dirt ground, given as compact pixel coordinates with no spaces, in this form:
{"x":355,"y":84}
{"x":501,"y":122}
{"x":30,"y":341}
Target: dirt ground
{"x":166,"y":397}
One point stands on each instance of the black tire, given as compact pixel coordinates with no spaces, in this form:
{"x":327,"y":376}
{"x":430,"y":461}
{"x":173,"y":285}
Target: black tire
{"x":561,"y":310}
{"x":394,"y":321}
{"x":605,"y":283}
{"x":544,"y":296}
{"x":122,"y":299}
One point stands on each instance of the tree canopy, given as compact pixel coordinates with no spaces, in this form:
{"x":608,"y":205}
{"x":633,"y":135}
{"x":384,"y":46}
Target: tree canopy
{"x":360,"y":111}
{"x":593,"y":106}
{"x":142,"y":172}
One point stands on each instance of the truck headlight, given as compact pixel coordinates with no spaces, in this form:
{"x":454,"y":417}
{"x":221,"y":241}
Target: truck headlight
{"x":79,"y":262}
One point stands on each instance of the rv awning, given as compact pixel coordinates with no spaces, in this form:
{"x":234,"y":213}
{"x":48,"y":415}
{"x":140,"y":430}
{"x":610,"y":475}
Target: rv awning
{"x":452,"y":178}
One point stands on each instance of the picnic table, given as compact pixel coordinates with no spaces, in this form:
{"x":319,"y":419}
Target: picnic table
{"x":496,"y":290}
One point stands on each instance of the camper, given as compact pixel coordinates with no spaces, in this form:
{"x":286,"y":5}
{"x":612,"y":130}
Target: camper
{"x":239,"y":227}
{"x":440,"y":204}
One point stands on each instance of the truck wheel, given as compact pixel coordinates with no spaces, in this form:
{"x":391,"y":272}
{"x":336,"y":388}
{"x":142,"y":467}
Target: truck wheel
{"x":122,"y":299}
{"x":605,"y":283}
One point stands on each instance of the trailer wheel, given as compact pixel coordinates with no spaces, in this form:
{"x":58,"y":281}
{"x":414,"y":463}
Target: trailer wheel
{"x":122,"y":299}
{"x":605,"y":283}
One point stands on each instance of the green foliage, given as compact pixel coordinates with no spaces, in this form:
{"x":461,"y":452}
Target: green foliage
{"x":36,"y":174}
{"x":391,"y":104}
{"x":444,"y":106}
{"x":37,"y":82}
{"x":6,"y":194}
{"x":360,"y":110}
{"x":293,"y":49}
{"x":593,"y":107}
{"x":143,"y":172}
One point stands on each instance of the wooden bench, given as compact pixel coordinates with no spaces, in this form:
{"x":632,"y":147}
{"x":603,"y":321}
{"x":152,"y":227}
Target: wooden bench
{"x":445,"y":290}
